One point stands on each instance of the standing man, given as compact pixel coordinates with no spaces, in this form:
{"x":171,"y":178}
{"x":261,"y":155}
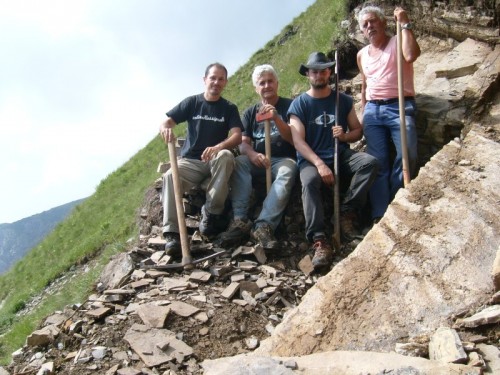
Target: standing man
{"x":314,"y":126}
{"x":206,"y":153}
{"x":252,"y":163}
{"x":377,"y":63}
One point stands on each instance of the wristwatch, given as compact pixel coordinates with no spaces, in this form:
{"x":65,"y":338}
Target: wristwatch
{"x":407,"y":26}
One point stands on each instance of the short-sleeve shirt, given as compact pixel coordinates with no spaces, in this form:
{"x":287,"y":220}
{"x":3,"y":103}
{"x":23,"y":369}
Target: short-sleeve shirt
{"x":208,"y":123}
{"x":255,"y":130}
{"x":318,"y":117}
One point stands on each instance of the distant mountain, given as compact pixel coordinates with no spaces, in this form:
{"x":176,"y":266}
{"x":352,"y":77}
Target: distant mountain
{"x":17,"y":238}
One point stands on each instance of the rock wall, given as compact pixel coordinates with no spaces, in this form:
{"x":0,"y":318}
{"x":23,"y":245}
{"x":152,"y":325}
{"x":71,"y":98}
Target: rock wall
{"x":427,"y":260}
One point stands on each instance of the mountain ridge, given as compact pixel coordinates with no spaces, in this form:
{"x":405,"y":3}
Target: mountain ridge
{"x":19,"y":237}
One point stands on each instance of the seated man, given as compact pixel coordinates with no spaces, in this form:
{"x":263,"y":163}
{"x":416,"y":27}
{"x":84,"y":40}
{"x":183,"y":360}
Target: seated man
{"x":252,"y":163}
{"x":314,"y":126}
{"x":206,"y":153}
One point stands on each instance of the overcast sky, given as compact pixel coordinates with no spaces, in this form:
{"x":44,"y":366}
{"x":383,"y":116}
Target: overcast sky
{"x":84,"y":85}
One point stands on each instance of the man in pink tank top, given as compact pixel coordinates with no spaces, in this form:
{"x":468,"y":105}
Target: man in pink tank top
{"x":377,"y":63}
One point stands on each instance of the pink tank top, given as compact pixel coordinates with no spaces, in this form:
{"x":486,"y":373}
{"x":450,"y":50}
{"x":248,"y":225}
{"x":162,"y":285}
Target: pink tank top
{"x":381,"y":73}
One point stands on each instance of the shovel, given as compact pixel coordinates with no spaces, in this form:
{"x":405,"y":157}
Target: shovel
{"x":402,"y":117}
{"x":336,"y":194}
{"x":187,"y":262}
{"x":267,"y":133}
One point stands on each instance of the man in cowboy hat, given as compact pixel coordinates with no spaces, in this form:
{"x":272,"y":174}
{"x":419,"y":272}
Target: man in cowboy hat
{"x":314,"y":126}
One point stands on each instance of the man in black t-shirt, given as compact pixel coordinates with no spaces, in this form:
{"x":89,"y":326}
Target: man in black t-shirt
{"x":252,"y":163}
{"x":206,"y":153}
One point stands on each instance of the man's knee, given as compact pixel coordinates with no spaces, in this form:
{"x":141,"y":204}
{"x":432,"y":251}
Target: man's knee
{"x":242,"y":161}
{"x":225,"y":156}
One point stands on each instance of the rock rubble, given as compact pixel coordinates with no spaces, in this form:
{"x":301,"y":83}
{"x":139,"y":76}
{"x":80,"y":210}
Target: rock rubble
{"x":144,"y":320}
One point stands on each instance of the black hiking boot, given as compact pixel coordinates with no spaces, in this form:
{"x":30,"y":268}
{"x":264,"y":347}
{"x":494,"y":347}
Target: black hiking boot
{"x":207,"y":223}
{"x":173,"y":246}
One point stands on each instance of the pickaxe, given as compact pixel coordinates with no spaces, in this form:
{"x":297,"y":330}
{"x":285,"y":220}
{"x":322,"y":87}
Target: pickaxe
{"x":187,"y":262}
{"x":266,"y":117}
{"x":336,"y":194}
{"x":402,"y":115}
{"x":173,"y":266}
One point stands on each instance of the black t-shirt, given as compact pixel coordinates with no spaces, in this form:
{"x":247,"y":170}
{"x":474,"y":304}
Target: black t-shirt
{"x":255,"y":130}
{"x":208,"y":122}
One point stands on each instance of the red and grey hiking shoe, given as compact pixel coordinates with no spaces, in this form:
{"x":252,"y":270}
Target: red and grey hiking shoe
{"x":323,"y":253}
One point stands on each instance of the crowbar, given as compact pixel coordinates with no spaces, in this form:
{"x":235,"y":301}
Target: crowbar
{"x":187,"y":262}
{"x":402,"y":117}
{"x":267,"y":134}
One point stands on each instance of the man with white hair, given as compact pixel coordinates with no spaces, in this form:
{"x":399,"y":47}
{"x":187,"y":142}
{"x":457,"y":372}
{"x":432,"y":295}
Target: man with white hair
{"x":252,"y":163}
{"x":377,"y":63}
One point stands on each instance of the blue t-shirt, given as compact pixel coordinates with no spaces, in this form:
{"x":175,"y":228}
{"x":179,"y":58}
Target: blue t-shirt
{"x":255,"y":130}
{"x":208,"y":123}
{"x":318,"y":117}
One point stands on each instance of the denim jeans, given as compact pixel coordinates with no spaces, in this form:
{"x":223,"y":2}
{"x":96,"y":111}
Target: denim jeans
{"x":381,"y":126}
{"x":193,"y":172}
{"x":284,"y":172}
{"x":357,"y":171}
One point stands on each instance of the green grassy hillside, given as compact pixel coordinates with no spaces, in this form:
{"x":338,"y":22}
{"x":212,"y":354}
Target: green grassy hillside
{"x":102,"y":225}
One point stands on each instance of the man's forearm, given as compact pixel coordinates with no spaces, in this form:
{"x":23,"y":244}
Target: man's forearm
{"x":231,"y":142}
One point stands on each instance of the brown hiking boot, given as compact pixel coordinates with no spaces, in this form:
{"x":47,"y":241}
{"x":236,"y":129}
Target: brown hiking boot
{"x":323,"y":253}
{"x":237,"y":232}
{"x":348,"y":222}
{"x":263,"y":235}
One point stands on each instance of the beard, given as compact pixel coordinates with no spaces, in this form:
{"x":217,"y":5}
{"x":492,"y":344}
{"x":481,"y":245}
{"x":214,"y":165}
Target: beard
{"x":319,"y":85}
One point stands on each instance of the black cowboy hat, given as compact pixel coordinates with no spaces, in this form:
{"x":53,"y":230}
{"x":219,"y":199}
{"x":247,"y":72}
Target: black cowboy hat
{"x":316,"y":60}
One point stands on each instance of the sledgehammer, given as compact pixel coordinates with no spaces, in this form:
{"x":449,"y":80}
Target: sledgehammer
{"x":267,"y":133}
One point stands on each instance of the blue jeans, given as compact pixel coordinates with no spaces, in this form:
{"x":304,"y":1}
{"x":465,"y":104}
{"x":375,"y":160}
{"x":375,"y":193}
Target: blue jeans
{"x":381,"y":125}
{"x":284,"y":172}
{"x":357,"y":171}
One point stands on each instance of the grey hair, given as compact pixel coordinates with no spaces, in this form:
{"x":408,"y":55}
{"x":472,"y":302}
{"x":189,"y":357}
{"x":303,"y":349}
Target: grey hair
{"x":370,"y":9}
{"x":260,"y":70}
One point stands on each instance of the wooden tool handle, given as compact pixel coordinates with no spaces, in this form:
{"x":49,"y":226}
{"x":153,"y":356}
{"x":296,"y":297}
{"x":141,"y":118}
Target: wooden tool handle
{"x":402,"y":115}
{"x":267,"y":131}
{"x":186,"y":254}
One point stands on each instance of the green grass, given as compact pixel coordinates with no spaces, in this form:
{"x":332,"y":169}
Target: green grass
{"x":101,"y":226}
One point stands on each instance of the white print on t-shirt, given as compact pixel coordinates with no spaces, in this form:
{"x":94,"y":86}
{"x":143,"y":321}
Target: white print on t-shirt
{"x":207,"y":118}
{"x":320,"y":120}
